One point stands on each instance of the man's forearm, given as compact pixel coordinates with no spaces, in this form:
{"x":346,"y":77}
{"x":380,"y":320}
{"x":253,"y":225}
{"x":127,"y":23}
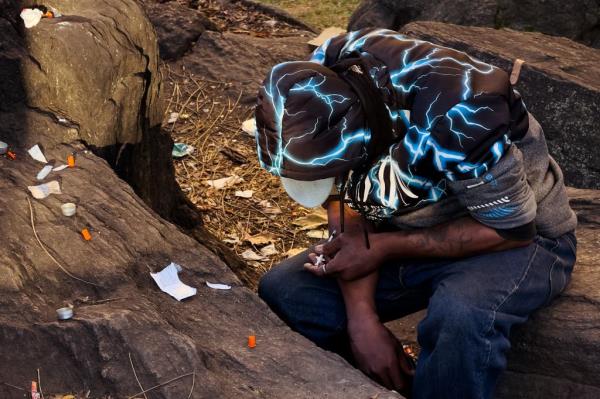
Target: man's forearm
{"x":459,"y":238}
{"x":359,"y":297}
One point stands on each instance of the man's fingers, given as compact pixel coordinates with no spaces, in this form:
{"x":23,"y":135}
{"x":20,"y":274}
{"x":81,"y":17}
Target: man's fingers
{"x":313,"y":257}
{"x":316,"y":270}
{"x":406,"y":363}
{"x":329,"y":248}
{"x":397,"y":378}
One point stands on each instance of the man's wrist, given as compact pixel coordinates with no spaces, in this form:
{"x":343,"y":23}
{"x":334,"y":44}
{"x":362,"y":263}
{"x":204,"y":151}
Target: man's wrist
{"x":387,"y":246}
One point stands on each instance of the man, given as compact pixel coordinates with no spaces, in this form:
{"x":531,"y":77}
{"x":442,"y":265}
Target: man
{"x":449,"y":200}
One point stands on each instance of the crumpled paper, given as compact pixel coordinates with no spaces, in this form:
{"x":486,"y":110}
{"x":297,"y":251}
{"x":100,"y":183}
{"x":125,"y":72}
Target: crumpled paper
{"x":44,"y":190}
{"x":168,"y":281}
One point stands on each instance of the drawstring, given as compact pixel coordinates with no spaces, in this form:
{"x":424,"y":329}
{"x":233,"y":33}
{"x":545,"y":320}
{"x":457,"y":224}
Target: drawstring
{"x":342,"y":202}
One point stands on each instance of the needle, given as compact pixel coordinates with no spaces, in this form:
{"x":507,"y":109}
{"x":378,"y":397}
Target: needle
{"x":321,"y":258}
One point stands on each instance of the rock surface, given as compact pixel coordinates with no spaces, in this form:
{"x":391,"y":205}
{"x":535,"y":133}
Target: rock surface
{"x":560,"y":83}
{"x":241,"y":59}
{"x":555,"y":354}
{"x":177,"y":27}
{"x":96,"y":67}
{"x":90,"y":76}
{"x":577,"y":20}
{"x":127,"y":313}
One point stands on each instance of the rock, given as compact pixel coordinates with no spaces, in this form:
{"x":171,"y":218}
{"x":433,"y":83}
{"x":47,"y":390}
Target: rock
{"x":127,"y":314}
{"x":96,"y":70}
{"x":555,"y":354}
{"x":240,"y":59}
{"x":177,"y":27}
{"x":576,"y":20}
{"x":560,"y":84}
{"x":91,"y":76}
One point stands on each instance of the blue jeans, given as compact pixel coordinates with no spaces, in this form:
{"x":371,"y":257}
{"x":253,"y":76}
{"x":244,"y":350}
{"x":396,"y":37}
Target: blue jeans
{"x":472,"y":305}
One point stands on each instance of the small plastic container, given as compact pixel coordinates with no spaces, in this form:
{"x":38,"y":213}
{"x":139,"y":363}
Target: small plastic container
{"x":64,"y":313}
{"x":3,"y":148}
{"x":68,"y":209}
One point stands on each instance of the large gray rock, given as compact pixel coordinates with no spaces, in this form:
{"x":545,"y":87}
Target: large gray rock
{"x":240,"y":59}
{"x":127,"y":313}
{"x":177,"y":27}
{"x":92,"y":76}
{"x":560,"y":83}
{"x":577,"y":20}
{"x":97,"y":68}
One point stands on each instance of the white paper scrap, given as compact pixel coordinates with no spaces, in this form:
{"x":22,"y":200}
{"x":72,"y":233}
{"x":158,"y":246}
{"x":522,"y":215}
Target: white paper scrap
{"x":249,"y":127}
{"x":31,"y":17}
{"x":173,"y":117}
{"x":44,"y":190}
{"x":168,"y":281}
{"x":59,"y":168}
{"x":37,"y":154}
{"x":244,"y":194}
{"x":218,"y":286}
{"x":224,"y":182}
{"x":44,"y":172}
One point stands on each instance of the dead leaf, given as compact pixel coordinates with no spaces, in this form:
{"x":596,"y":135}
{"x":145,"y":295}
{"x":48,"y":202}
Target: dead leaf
{"x":260,"y":239}
{"x":269,"y":250}
{"x":244,"y":194}
{"x":269,"y":208}
{"x":312,"y":221}
{"x":251,"y":255}
{"x":224,"y":182}
{"x":233,"y":241}
{"x":320,"y":234}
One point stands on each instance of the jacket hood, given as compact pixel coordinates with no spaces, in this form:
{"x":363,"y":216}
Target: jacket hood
{"x":310,"y":124}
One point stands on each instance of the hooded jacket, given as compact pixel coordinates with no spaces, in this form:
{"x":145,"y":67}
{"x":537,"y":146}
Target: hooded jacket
{"x":463,"y":143}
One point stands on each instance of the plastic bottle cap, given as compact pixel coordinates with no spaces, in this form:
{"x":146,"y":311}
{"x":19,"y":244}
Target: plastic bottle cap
{"x":252,"y":341}
{"x":68,"y":209}
{"x":86,"y":234}
{"x":64,"y":313}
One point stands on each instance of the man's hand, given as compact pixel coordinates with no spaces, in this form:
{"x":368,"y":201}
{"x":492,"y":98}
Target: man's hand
{"x":379,"y":354}
{"x":346,"y":257}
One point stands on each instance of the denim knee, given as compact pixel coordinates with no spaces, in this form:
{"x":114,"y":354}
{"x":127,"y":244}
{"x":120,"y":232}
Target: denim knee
{"x":268,"y":287}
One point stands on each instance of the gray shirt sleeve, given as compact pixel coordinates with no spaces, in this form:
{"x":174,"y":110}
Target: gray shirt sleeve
{"x":500,"y":198}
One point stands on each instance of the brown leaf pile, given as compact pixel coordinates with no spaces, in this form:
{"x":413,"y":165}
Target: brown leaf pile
{"x":242,"y":204}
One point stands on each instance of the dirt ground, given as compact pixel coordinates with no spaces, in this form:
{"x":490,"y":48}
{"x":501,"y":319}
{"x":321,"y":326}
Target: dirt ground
{"x":252,"y":214}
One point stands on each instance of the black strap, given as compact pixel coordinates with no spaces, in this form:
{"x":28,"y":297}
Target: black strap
{"x":353,"y":72}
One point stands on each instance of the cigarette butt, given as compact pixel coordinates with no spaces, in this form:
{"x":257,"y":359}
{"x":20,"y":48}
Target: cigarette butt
{"x":11,"y":155}
{"x":252,"y":341}
{"x":71,"y":161}
{"x":86,"y":234}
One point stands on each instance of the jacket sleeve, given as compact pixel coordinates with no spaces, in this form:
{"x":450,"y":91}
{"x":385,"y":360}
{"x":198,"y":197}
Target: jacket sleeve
{"x":490,"y":182}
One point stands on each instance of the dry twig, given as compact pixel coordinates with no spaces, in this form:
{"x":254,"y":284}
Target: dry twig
{"x":160,"y":385}
{"x":136,"y":377}
{"x":50,"y":255}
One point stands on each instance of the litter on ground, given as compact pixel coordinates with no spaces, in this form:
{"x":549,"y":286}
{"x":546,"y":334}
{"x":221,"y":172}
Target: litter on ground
{"x":168,"y":281}
{"x":37,"y":154}
{"x":218,"y":286}
{"x":249,"y":127}
{"x":59,"y":168}
{"x":244,"y":194}
{"x":181,"y":150}
{"x":44,"y":190}
{"x":31,"y":17}
{"x":44,"y":172}
{"x":224,"y":182}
